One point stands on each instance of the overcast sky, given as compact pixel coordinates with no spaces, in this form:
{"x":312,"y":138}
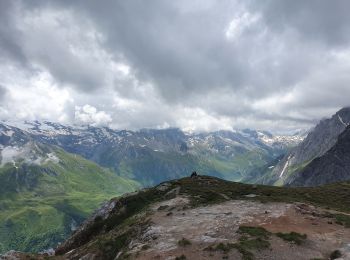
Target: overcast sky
{"x":199,"y":65}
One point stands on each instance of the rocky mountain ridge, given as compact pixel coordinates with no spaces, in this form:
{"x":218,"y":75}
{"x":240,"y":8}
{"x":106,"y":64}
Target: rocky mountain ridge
{"x":333,"y":166}
{"x":318,"y":141}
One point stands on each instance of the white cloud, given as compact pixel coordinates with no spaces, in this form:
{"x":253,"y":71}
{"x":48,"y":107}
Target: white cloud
{"x":89,"y":115}
{"x":34,"y":97}
{"x":239,"y":24}
{"x":196,"y":119}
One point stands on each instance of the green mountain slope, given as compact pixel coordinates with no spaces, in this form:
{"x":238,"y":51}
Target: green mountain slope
{"x":41,"y":204}
{"x":154,"y":167}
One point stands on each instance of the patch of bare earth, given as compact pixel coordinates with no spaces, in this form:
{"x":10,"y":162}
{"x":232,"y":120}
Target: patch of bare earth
{"x":173,"y":220}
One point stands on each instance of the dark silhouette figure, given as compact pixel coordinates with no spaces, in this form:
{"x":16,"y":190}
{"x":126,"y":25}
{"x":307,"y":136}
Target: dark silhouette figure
{"x":194,"y":174}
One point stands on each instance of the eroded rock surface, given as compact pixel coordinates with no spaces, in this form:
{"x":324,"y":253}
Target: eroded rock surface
{"x":215,"y":224}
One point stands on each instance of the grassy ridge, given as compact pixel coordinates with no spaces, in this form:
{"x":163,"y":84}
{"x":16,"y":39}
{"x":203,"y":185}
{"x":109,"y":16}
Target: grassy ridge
{"x":98,"y":237}
{"x":210,"y":190}
{"x":40,"y":205}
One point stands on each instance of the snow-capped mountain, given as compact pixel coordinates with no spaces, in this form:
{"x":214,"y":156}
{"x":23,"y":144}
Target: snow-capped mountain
{"x":88,"y":134}
{"x":152,"y":156}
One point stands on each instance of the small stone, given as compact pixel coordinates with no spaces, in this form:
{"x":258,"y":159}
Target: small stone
{"x":250,"y":195}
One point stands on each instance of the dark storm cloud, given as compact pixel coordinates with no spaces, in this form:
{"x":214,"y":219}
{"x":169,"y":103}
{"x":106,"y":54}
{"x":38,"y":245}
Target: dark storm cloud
{"x":181,"y":52}
{"x":184,"y":51}
{"x":3,"y":92}
{"x":263,"y":60}
{"x":28,"y":44}
{"x":9,"y":41}
{"x":322,"y":22}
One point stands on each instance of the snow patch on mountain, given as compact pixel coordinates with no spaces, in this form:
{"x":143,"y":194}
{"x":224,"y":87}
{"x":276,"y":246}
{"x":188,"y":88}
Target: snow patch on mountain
{"x":285,"y":166}
{"x":8,"y":133}
{"x":342,"y":121}
{"x":281,"y":139}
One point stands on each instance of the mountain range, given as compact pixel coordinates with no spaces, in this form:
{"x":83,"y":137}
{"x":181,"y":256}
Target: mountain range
{"x":151,"y":156}
{"x":56,"y":175}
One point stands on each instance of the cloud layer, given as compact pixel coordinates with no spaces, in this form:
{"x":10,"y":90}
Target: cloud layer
{"x":199,"y":65}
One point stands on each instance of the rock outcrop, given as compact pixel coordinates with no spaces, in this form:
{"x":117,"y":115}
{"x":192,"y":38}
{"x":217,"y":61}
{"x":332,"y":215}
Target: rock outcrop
{"x":333,"y":166}
{"x":317,"y":143}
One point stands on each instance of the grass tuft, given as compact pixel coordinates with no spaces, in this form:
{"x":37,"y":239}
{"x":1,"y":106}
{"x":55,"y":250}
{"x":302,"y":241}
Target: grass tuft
{"x":184,"y":242}
{"x":292,"y":237}
{"x":255,"y":244}
{"x":254,"y":231}
{"x":342,"y":220}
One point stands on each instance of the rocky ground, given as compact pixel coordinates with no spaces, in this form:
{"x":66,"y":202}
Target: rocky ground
{"x":204,"y":227}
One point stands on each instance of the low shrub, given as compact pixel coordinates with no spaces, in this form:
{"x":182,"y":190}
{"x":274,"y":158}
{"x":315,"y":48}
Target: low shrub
{"x":292,"y":237}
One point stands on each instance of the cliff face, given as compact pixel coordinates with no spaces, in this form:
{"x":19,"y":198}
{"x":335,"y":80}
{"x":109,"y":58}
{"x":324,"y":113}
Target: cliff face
{"x":317,"y":143}
{"x":333,"y":166}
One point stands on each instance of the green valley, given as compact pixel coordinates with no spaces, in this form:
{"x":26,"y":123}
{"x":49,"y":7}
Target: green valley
{"x":42,"y":204}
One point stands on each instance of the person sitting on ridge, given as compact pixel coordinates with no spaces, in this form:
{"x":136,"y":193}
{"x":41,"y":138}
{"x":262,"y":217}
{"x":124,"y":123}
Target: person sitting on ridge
{"x":194,"y":174}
